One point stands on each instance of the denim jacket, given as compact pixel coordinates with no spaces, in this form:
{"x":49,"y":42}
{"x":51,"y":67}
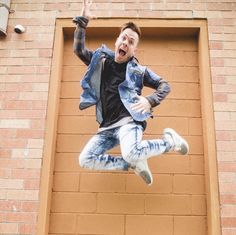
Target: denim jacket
{"x":137,"y":76}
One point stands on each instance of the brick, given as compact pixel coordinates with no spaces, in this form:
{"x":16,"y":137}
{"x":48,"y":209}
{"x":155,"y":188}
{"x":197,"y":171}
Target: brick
{"x":195,"y":144}
{"x":36,"y":95}
{"x":73,"y":73}
{"x":219,"y":6}
{"x":227,"y":167}
{"x":29,"y":7}
{"x":9,"y":228}
{"x":73,"y":202}
{"x":70,"y":90}
{"x":228,"y":222}
{"x":228,"y":211}
{"x":6,"y":133}
{"x":38,"y":124}
{"x":25,"y":104}
{"x":12,"y":163}
{"x":45,"y":53}
{"x":220,"y":97}
{"x":29,"y":134}
{"x":62,"y":223}
{"x":193,"y":225}
{"x":225,"y":125}
{"x":10,"y":205}
{"x":215,"y":45}
{"x":56,"y":6}
{"x":34,"y":78}
{"x":26,"y":195}
{"x":71,"y":143}
{"x":30,"y":206}
{"x":33,"y":163}
{"x":70,"y":107}
{"x":120,"y":203}
{"x":168,"y":204}
{"x":187,"y":108}
{"x":106,"y":182}
{"x":227,"y":188}
{"x":149,"y":224}
{"x":100,"y":224}
{"x":35,"y":143}
{"x":5,"y":173}
{"x":190,"y":74}
{"x":14,"y":123}
{"x":21,"y":70}
{"x":67,"y":162}
{"x":24,"y":53}
{"x":66,"y":182}
{"x":218,"y":80}
{"x":11,"y":183}
{"x":31,"y":184}
{"x":226,"y":176}
{"x":21,"y":217}
{"x":229,"y":199}
{"x":27,"y":228}
{"x":27,"y":153}
{"x":178,"y":14}
{"x":137,"y":6}
{"x":13,"y":143}
{"x":226,"y":146}
{"x":229,"y":62}
{"x":197,"y":165}
{"x":161,"y":184}
{"x":231,"y":98}
{"x":225,"y":135}
{"x":170,"y":164}
{"x":184,"y":91}
{"x":189,"y":184}
{"x":33,"y":114}
{"x":195,"y":126}
{"x":199,"y":206}
{"x":228,"y":231}
{"x":3,"y":194}
{"x":79,"y":125}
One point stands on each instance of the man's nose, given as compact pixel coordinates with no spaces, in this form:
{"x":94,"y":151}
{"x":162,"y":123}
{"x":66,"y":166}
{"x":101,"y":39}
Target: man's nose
{"x":125,"y":43}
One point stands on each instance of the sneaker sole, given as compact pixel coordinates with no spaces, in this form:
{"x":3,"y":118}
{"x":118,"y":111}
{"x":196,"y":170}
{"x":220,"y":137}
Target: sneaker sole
{"x":184,"y":146}
{"x":146,"y":177}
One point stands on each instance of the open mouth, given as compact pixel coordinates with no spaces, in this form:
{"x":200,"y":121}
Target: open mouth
{"x":122,"y":52}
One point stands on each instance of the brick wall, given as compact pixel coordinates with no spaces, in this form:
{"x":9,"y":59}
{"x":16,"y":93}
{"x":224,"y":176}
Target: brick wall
{"x":25,"y":62}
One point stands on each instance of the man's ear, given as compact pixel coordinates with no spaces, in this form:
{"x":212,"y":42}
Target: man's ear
{"x":135,"y":51}
{"x":116,"y":40}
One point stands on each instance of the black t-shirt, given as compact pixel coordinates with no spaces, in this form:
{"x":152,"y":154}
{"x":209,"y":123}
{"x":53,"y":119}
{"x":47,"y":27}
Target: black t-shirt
{"x":113,"y":109}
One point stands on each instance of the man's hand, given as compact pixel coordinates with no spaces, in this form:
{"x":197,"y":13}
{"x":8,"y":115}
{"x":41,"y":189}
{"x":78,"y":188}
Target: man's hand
{"x":142,"y":105}
{"x":86,"y":9}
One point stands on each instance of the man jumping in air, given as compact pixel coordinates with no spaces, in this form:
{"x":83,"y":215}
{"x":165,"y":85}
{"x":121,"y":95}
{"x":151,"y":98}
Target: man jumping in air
{"x":113,"y":82}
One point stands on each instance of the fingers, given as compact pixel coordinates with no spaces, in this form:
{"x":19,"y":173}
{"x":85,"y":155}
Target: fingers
{"x":88,"y":2}
{"x":139,"y":107}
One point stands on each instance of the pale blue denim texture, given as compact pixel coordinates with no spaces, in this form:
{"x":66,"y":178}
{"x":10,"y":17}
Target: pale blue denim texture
{"x":133,"y":148}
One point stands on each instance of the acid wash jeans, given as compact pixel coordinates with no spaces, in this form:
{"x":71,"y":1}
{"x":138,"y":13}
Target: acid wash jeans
{"x":133,"y":148}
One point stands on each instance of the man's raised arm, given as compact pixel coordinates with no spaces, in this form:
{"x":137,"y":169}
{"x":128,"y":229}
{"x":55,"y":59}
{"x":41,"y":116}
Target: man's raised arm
{"x":79,"y":35}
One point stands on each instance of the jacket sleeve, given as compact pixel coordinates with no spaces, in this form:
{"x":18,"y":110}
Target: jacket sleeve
{"x":162,"y":88}
{"x":79,"y":40}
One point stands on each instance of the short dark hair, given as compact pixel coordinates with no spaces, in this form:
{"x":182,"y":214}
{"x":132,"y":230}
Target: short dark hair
{"x":133,"y":26}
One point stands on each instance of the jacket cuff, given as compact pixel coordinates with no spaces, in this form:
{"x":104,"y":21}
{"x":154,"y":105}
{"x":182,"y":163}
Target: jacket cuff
{"x":153,"y":102}
{"x":81,"y":21}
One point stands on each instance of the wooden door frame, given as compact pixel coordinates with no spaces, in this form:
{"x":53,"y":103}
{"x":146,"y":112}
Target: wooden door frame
{"x":208,"y":121}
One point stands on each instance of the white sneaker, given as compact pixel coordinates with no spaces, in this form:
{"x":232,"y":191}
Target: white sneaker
{"x":177,"y":143}
{"x":141,"y":168}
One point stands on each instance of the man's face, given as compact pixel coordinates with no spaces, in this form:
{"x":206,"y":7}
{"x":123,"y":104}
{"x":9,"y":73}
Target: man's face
{"x":126,"y":45}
